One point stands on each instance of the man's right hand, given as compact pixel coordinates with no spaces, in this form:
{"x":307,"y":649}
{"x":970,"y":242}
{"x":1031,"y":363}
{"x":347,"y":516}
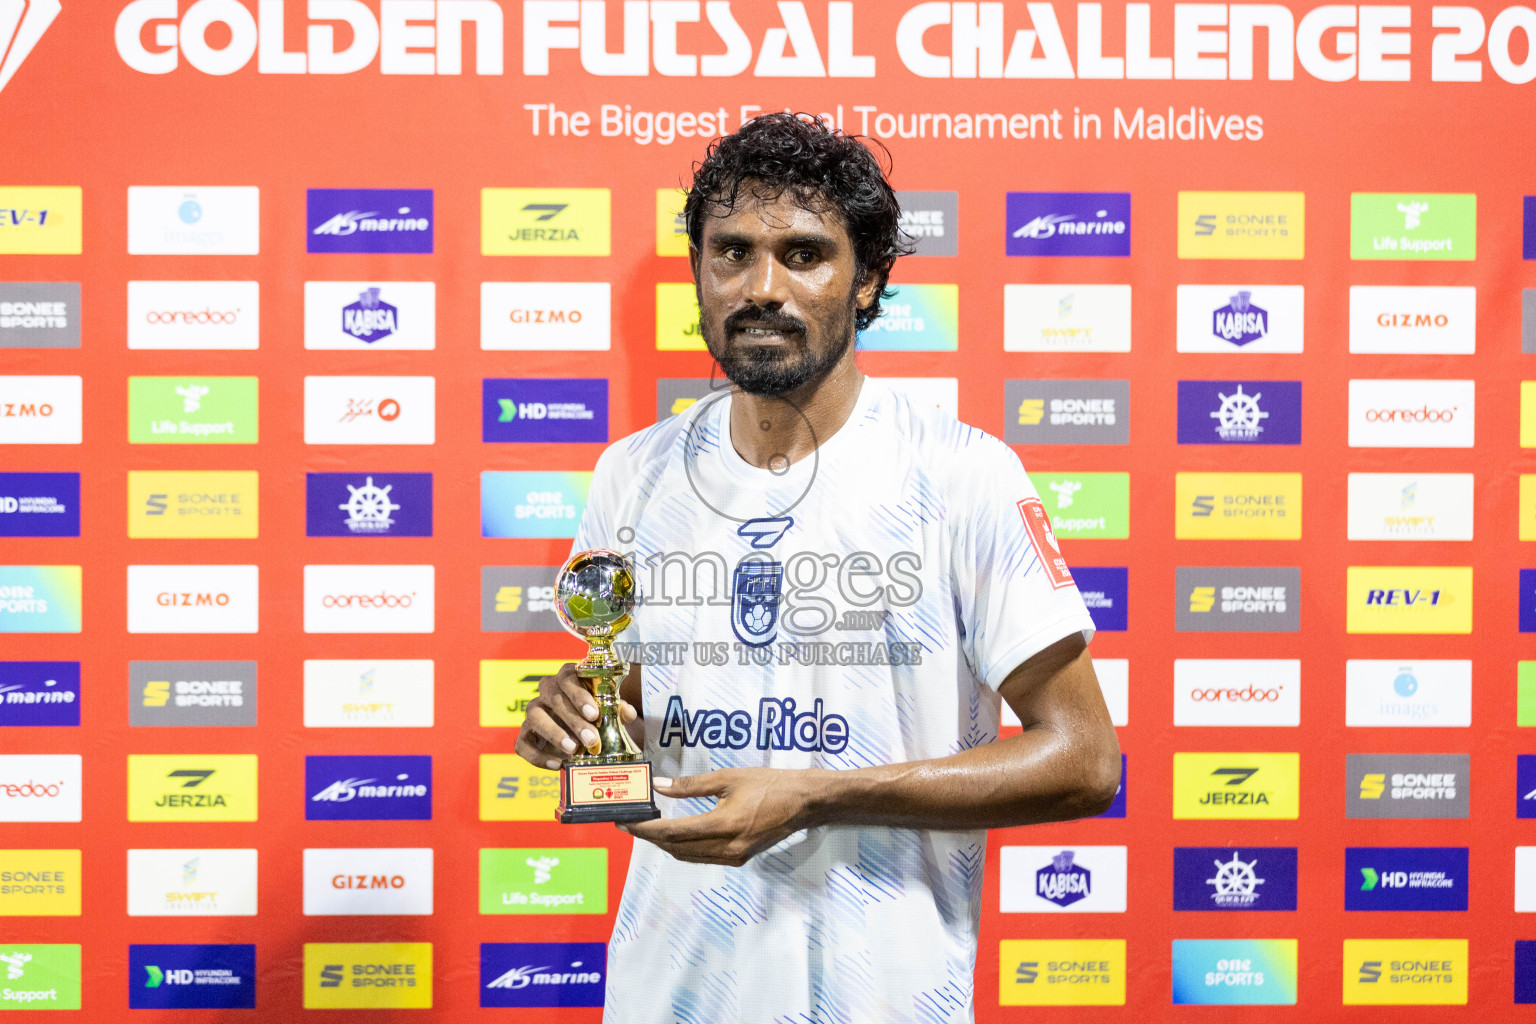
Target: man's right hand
{"x":560,"y":720}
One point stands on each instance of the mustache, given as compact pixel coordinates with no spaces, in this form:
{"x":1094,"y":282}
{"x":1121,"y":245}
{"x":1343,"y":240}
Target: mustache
{"x":765,"y":319}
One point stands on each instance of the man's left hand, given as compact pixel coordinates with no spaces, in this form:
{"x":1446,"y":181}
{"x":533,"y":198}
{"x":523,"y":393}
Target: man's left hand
{"x":758,"y":807}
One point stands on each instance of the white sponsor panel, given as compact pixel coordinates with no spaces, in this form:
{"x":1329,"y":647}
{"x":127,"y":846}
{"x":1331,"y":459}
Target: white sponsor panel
{"x":193,"y":599}
{"x":370,"y":410}
{"x":1255,"y":319}
{"x":1042,"y":879}
{"x":191,"y":883}
{"x":354,"y":315}
{"x":194,"y":221}
{"x":1114,"y":683}
{"x":1410,"y":506}
{"x":1236,"y":691}
{"x":1408,"y":693}
{"x":194,"y":314}
{"x":1412,"y":320}
{"x":566,"y":316}
{"x":941,"y":393}
{"x":1066,"y":318}
{"x":367,"y":881}
{"x":1525,"y":879}
{"x":1412,"y":413}
{"x":40,"y":410}
{"x":40,"y":787}
{"x":368,"y":693}
{"x":368,"y":598}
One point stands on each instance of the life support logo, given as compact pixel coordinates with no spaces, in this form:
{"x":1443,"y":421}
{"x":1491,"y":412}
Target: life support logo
{"x":756,"y":586}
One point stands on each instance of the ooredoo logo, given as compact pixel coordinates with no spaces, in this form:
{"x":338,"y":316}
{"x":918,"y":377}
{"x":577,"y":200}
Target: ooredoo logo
{"x":368,"y":599}
{"x":194,"y":314}
{"x":1236,"y":692}
{"x":40,"y":787}
{"x":193,"y":599}
{"x":1411,"y":413}
{"x":1423,"y":414}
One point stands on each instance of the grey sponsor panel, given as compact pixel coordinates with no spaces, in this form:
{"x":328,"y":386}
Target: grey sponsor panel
{"x":39,"y":314}
{"x":1067,"y":411}
{"x":192,"y":693}
{"x":675,"y":394}
{"x":1407,"y":785}
{"x":1528,"y":320}
{"x":518,"y":599}
{"x":1237,"y":600}
{"x":931,"y":221}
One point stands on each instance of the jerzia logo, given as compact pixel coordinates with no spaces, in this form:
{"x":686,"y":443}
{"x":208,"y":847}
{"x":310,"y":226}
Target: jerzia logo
{"x":35,"y":17}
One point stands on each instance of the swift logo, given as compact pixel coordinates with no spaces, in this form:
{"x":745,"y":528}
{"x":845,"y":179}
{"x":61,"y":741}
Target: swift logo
{"x":29,"y":19}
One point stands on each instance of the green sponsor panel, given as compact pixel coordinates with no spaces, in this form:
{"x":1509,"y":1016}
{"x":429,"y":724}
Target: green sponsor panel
{"x":39,"y":977}
{"x":544,"y":881}
{"x":1525,"y":707}
{"x":192,"y":410}
{"x":1412,"y":226}
{"x":1089,"y":505}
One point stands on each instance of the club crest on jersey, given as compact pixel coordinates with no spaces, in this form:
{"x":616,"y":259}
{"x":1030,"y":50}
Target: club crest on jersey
{"x":755,"y":605}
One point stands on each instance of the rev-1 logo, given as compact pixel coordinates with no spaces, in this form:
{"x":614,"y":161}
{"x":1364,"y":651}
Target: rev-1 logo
{"x":778,"y":727}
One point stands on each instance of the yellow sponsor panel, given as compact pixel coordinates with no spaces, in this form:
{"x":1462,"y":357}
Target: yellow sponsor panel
{"x":671,"y":229}
{"x":1061,"y":972}
{"x":1527,"y":506}
{"x":191,"y":787}
{"x":1237,"y":506}
{"x":511,"y":789}
{"x":1405,"y":972}
{"x":1236,"y":785}
{"x":544,"y":221}
{"x":181,"y":504}
{"x":1408,"y":599}
{"x":367,"y":975}
{"x":39,"y":883}
{"x":1242,"y":225}
{"x":40,"y":221}
{"x":506,"y":687}
{"x":1528,"y":414}
{"x":677,"y":319}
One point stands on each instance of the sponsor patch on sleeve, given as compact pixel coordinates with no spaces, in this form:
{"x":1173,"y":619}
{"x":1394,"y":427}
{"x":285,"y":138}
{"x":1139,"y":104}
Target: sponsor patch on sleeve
{"x":1044,"y":539}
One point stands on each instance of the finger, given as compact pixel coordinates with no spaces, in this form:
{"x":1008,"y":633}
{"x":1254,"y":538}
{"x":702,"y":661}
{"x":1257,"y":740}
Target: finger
{"x":709,"y":784}
{"x":690,"y":828}
{"x":627,"y":711}
{"x":549,"y":730}
{"x":536,"y":753}
{"x":563,"y":711}
{"x":575,"y":691}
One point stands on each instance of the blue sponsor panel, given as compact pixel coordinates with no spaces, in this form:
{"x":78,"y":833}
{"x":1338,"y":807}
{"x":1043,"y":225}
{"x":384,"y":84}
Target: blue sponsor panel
{"x":514,"y":974}
{"x":543,"y":409}
{"x":1525,"y":785}
{"x":1234,"y":878}
{"x":1405,"y":878}
{"x":1528,"y":241}
{"x":39,"y":693}
{"x":1239,"y":412}
{"x":1234,"y":972}
{"x":1105,"y":591}
{"x":1117,"y":807}
{"x":1069,"y":224}
{"x":1528,"y":600}
{"x":39,"y":504}
{"x":1525,"y":956}
{"x":394,"y":220}
{"x":368,"y":788}
{"x":192,"y":977}
{"x":368,"y":505}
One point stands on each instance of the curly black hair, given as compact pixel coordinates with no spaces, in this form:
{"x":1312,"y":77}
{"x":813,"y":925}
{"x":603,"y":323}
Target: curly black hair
{"x":818,"y":165}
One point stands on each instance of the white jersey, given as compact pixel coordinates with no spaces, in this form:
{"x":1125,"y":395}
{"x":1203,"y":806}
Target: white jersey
{"x":859,"y":609}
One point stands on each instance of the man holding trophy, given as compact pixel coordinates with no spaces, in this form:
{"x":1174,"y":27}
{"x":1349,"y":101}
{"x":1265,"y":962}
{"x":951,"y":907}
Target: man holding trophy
{"x":832,"y":591}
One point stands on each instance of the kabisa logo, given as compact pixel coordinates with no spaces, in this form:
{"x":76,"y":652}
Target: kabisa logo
{"x":1240,"y":785}
{"x":368,"y":505}
{"x":40,"y":314}
{"x":542,"y":973}
{"x":370,"y":317}
{"x":778,"y":726}
{"x":181,"y":977}
{"x":27,"y":25}
{"x":1240,"y":321}
{"x":367,"y":975}
{"x":1405,"y":878}
{"x":1227,"y":878}
{"x":368,"y":788}
{"x":539,"y":409}
{"x":1062,"y":882}
{"x":1239,"y":412}
{"x":1069,"y":224}
{"x":370,"y":220}
{"x":1407,"y":785}
{"x":756,"y":588}
{"x":39,"y":693}
{"x":1049,"y":879}
{"x":202,"y":787}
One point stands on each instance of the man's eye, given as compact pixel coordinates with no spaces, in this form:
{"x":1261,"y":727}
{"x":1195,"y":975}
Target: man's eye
{"x":802,"y":257}
{"x":736,"y":252}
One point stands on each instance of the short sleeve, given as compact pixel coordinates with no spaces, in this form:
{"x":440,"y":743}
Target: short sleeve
{"x":596,"y":529}
{"x":1014,"y":591}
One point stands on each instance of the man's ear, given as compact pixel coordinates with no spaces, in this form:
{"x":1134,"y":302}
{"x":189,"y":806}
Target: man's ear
{"x":693,"y":260}
{"x":868,"y":290}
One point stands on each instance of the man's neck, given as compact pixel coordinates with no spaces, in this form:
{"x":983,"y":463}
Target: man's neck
{"x":768,"y":430}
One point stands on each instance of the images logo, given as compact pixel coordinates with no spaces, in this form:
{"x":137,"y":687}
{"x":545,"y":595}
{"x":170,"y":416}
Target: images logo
{"x":192,"y":883}
{"x":1069,"y":224}
{"x":40,"y":977}
{"x":1067,"y":411}
{"x":1234,"y":972}
{"x":1407,"y":693}
{"x":1239,"y":412}
{"x":192,"y":977}
{"x":370,"y":220}
{"x":1061,"y":972}
{"x":1405,"y":972}
{"x":545,"y":316}
{"x":368,"y":975}
{"x":179,"y":504}
{"x":916,"y":318}
{"x":192,"y":410}
{"x":1237,"y":600}
{"x":39,"y":599}
{"x":1237,"y":506}
{"x":191,"y":787}
{"x":532,"y":504}
{"x":39,"y":693}
{"x":39,"y":504}
{"x":544,"y":222}
{"x":507,"y":687}
{"x":1066,"y":318}
{"x":40,"y":787}
{"x":1393,"y":226}
{"x":544,"y":409}
{"x":1242,"y":225}
{"x":39,"y":315}
{"x":1410,"y":506}
{"x":1242,"y":878}
{"x":194,"y":315}
{"x":39,"y":221}
{"x":368,"y":505}
{"x":39,"y":883}
{"x":1086,"y":504}
{"x":200,"y":693}
{"x":1049,"y":879}
{"x":368,"y":881}
{"x":40,"y":410}
{"x":1225,"y":692}
{"x":1236,"y":785}
{"x":1408,"y":599}
{"x":368,"y":693}
{"x":1405,"y":878}
{"x":1240,"y":318}
{"x":193,"y":598}
{"x":1406,"y":785}
{"x":370,"y":410}
{"x":194,"y":221}
{"x":369,"y":599}
{"x":540,"y":881}
{"x":512,"y":790}
{"x":368,"y":788}
{"x":518,"y":599}
{"x":542,"y":973}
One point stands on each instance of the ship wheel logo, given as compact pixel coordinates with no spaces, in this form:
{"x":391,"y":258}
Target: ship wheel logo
{"x":1239,"y":416}
{"x":1235,"y":882}
{"x":369,"y":507}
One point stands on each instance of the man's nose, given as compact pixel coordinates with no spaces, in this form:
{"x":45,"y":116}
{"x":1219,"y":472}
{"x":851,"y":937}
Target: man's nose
{"x":767,"y":283}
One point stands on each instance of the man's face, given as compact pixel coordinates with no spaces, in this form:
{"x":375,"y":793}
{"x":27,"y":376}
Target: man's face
{"x":777,"y":291}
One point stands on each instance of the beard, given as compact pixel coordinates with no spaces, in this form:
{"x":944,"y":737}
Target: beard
{"x":777,"y":369}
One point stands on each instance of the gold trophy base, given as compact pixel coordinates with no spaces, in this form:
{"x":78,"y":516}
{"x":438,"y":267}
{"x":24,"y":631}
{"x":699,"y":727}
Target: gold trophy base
{"x":606,"y":791}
